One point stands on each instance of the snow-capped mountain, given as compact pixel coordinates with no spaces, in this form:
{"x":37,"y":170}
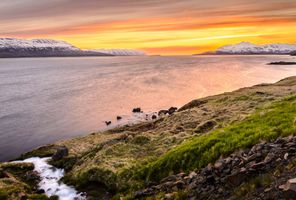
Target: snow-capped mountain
{"x":121,"y":52}
{"x":12,"y":47}
{"x":249,"y":48}
{"x":35,"y":43}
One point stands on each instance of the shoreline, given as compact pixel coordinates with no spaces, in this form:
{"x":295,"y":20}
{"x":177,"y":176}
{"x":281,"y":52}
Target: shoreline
{"x":121,"y":158}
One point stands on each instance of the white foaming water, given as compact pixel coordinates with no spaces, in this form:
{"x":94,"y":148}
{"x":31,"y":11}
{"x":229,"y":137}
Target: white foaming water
{"x":50,"y":180}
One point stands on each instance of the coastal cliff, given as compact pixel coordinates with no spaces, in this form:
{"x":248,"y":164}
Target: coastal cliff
{"x":227,"y":146}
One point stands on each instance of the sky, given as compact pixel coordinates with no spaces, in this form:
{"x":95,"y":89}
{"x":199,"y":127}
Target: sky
{"x":167,"y":27}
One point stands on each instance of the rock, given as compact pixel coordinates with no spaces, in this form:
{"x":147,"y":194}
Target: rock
{"x":286,"y":156}
{"x":220,"y":190}
{"x":163,"y":112}
{"x":192,"y":175}
{"x":169,"y":196}
{"x":118,"y":117}
{"x":108,"y":123}
{"x":61,"y":152}
{"x":169,"y":185}
{"x":257,"y":166}
{"x":137,"y":110}
{"x":290,"y":185}
{"x":218,"y":165}
{"x":169,"y":178}
{"x":179,"y":184}
{"x":280,"y":141}
{"x":236,"y":179}
{"x":154,"y":117}
{"x":182,"y":174}
{"x":40,"y":191}
{"x":172,"y":110}
{"x":270,"y":156}
{"x":289,"y":189}
{"x":142,"y":193}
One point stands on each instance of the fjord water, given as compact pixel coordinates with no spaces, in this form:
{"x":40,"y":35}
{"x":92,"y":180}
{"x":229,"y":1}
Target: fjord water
{"x":43,"y":100}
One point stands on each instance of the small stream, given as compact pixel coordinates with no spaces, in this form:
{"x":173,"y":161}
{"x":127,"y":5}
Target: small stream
{"x":50,"y":180}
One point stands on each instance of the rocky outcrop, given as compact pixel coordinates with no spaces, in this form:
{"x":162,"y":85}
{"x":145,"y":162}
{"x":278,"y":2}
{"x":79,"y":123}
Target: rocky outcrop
{"x":216,"y":180}
{"x":61,"y":152}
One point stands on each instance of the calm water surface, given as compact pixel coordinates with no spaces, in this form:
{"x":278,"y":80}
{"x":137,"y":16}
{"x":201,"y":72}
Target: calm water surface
{"x":47,"y":99}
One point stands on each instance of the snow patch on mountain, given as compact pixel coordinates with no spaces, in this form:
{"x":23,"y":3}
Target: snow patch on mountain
{"x":250,"y":48}
{"x":35,"y":43}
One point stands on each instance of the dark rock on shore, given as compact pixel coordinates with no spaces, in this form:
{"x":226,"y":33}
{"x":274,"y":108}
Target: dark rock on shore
{"x":282,"y":63}
{"x":108,"y":123}
{"x":137,"y":110}
{"x":118,"y":117}
{"x":162,"y":112}
{"x":61,"y":152}
{"x":172,"y":110}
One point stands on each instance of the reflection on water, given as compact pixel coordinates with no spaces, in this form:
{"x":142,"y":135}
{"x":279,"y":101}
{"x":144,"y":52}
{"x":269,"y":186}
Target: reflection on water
{"x":46,"y":99}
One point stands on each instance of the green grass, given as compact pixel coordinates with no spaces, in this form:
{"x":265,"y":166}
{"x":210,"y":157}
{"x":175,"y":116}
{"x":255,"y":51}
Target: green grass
{"x":266,"y":123}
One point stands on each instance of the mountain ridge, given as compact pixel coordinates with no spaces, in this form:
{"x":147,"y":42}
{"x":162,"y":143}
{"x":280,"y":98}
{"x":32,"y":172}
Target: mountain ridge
{"x":247,"y":48}
{"x":14,"y":48}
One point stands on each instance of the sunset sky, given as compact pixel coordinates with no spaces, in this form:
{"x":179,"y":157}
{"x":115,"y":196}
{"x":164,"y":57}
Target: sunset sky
{"x":155,"y":26}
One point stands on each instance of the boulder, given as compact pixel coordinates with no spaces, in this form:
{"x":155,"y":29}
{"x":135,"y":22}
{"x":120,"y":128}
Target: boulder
{"x":61,"y":152}
{"x":108,"y":123}
{"x":169,"y":196}
{"x":289,"y":189}
{"x":118,"y":117}
{"x":163,"y":112}
{"x":137,"y":110}
{"x":172,"y":110}
{"x":40,"y":191}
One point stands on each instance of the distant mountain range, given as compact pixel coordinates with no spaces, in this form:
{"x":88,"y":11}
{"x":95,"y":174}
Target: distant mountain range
{"x":121,"y":52}
{"x":246,"y":48}
{"x":12,"y":47}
